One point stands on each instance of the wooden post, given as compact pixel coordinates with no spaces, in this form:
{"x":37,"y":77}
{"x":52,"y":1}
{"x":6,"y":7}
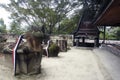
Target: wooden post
{"x":74,"y":40}
{"x":83,"y":40}
{"x":96,"y":42}
{"x":104,"y":36}
{"x":77,"y":42}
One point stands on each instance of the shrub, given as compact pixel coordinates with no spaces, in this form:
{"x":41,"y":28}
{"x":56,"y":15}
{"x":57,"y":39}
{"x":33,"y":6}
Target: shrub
{"x":53,"y":50}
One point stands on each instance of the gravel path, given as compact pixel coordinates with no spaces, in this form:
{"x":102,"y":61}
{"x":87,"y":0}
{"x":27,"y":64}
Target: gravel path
{"x":76,"y":64}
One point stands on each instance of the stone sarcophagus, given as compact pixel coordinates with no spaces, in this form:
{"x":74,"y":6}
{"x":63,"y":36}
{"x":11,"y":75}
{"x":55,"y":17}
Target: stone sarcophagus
{"x":27,"y":55}
{"x":28,"y":62}
{"x":27,"y":52}
{"x":62,"y":45}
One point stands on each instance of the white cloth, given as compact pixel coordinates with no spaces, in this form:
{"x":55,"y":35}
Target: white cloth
{"x":46,"y":48}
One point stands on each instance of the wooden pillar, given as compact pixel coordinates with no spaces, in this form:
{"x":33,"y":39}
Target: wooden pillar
{"x":104,"y":34}
{"x":97,"y":39}
{"x":77,"y":42}
{"x":96,"y":42}
{"x":83,"y":39}
{"x":74,"y":40}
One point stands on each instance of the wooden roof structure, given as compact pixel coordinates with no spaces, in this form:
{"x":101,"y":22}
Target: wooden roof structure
{"x":99,"y":13}
{"x":110,"y":16}
{"x":85,"y":26}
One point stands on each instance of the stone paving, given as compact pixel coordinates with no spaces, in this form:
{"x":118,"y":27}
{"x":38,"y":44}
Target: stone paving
{"x":76,"y":64}
{"x":110,"y":61}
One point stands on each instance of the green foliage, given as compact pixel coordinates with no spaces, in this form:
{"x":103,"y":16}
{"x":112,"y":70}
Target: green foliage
{"x":53,"y":50}
{"x":112,"y":33}
{"x":2,"y":26}
{"x":101,"y":35}
{"x":68,"y":26}
{"x":16,"y":29}
{"x":42,"y":12}
{"x":117,"y":34}
{"x":108,"y":36}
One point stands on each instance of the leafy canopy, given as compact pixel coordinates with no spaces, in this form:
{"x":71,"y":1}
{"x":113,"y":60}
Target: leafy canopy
{"x":49,"y":13}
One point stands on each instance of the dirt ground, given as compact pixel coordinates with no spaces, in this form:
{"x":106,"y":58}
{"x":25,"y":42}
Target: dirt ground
{"x":76,"y":64}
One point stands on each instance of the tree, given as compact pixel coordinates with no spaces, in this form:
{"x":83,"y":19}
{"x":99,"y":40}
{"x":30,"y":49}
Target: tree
{"x":2,"y":26}
{"x":16,"y":29}
{"x":41,"y":12}
{"x":68,"y":26}
{"x":117,"y":34}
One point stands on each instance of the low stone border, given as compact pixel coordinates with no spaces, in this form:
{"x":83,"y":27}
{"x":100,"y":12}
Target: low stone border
{"x":112,"y":49}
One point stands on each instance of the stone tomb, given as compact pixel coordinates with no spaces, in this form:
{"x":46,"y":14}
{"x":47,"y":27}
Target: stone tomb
{"x":26,"y":63}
